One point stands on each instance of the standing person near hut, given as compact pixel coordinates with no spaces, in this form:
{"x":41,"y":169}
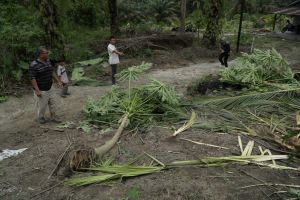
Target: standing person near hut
{"x":41,"y":73}
{"x":225,"y":52}
{"x":113,"y":57}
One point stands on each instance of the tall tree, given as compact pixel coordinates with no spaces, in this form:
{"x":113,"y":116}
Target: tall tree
{"x":49,"y":14}
{"x":113,"y":11}
{"x":234,"y":9}
{"x":183,"y":13}
{"x":214,"y":15}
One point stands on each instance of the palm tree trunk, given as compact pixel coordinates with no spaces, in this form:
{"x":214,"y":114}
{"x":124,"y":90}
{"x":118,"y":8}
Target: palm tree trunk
{"x":214,"y":14}
{"x":50,"y":22}
{"x":183,"y":14}
{"x":113,"y":11}
{"x":234,"y":9}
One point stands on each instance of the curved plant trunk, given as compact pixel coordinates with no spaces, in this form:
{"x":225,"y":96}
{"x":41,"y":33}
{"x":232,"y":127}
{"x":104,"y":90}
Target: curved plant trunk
{"x":83,"y":156}
{"x":214,"y":14}
{"x":49,"y":14}
{"x":113,"y":11}
{"x":100,"y":151}
{"x":182,"y":17}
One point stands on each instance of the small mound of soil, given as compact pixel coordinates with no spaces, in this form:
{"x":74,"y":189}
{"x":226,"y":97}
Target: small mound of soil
{"x":208,"y":84}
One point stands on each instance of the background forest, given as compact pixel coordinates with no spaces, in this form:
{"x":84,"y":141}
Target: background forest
{"x":71,"y":28}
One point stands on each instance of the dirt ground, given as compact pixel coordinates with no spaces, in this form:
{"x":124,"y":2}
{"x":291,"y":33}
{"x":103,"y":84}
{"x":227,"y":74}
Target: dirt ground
{"x":26,"y":176}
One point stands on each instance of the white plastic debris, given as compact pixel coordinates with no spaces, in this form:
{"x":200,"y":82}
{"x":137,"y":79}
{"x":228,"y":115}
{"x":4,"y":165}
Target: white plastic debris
{"x":6,"y":153}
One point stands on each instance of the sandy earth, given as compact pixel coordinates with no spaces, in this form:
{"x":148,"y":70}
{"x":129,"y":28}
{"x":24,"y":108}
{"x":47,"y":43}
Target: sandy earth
{"x":25,"y":176}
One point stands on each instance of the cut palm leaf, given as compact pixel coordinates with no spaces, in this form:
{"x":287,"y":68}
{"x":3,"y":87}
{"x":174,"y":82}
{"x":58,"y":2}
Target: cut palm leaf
{"x":205,"y":144}
{"x":245,"y":100}
{"x":187,"y":125}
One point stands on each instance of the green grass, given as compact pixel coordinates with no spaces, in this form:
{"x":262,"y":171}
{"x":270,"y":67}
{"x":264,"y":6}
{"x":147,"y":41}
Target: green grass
{"x":3,"y":99}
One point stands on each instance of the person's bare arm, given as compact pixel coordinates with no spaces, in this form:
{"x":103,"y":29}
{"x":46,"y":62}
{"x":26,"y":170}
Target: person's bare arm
{"x":118,"y":52}
{"x":55,"y":77}
{"x":36,"y":88}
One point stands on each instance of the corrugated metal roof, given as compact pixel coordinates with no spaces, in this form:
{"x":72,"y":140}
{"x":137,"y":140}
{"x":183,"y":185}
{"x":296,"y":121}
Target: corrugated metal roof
{"x":289,"y":11}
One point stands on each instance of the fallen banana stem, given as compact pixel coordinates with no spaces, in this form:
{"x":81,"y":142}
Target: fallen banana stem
{"x":156,"y":160}
{"x":270,"y":184}
{"x":204,"y":144}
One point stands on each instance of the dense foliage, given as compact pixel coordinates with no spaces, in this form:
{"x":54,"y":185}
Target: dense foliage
{"x":73,"y":25}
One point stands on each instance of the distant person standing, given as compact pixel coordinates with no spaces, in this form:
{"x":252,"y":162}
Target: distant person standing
{"x":225,"y":52}
{"x":62,"y":74}
{"x":113,"y":57}
{"x":41,"y":73}
{"x":289,"y":27}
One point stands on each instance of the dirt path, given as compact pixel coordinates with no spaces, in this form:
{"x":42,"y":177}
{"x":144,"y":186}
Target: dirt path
{"x":18,"y":113}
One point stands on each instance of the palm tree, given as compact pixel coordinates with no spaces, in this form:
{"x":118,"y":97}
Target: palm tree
{"x":50,"y":22}
{"x":183,"y":13}
{"x":214,"y":14}
{"x":162,"y":9}
{"x":113,"y":11}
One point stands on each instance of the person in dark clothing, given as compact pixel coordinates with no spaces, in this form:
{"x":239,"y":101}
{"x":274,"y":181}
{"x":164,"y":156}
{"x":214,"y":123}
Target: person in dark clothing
{"x":41,"y":73}
{"x":289,"y":27}
{"x":225,"y":52}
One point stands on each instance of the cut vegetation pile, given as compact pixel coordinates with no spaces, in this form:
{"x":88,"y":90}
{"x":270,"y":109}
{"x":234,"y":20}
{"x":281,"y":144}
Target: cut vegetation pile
{"x":136,"y":108}
{"x":144,"y":105}
{"x":106,"y":172}
{"x":266,"y":105}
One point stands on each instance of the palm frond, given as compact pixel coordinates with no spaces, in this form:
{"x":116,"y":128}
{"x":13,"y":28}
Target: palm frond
{"x":165,"y":93}
{"x":134,"y":72}
{"x":246,"y":100}
{"x":187,"y":125}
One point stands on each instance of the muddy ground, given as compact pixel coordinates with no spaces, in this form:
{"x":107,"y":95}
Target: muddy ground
{"x":26,"y":176}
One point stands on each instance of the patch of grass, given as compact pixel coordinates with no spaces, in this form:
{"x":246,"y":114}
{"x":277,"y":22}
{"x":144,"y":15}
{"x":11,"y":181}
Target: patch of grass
{"x":133,"y":193}
{"x":3,"y":99}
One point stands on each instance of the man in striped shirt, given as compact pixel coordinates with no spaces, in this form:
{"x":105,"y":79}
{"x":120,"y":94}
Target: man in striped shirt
{"x":41,"y":73}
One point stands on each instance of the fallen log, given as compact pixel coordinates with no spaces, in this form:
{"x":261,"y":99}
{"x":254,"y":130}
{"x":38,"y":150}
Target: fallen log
{"x":155,"y":42}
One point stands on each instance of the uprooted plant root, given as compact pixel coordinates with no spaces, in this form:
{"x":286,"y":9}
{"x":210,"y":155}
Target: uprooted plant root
{"x":81,"y":157}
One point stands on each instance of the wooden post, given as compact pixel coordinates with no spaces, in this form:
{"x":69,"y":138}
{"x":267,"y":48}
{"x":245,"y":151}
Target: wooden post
{"x":240,"y":26}
{"x":274,"y":21}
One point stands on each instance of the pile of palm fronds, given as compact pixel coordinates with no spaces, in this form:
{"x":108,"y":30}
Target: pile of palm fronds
{"x":146,"y":103}
{"x":106,"y":172}
{"x":258,"y":68}
{"x":270,"y":114}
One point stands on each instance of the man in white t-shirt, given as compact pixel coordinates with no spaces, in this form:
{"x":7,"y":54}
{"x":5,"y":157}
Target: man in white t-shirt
{"x":62,"y":74}
{"x":113,"y":57}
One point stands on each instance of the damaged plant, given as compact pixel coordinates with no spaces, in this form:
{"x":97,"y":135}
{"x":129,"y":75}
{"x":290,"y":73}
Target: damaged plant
{"x":269,"y":114}
{"x":136,"y":107}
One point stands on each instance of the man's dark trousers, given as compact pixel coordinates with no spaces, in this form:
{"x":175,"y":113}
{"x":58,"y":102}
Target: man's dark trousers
{"x":223,"y":58}
{"x":113,"y":73}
